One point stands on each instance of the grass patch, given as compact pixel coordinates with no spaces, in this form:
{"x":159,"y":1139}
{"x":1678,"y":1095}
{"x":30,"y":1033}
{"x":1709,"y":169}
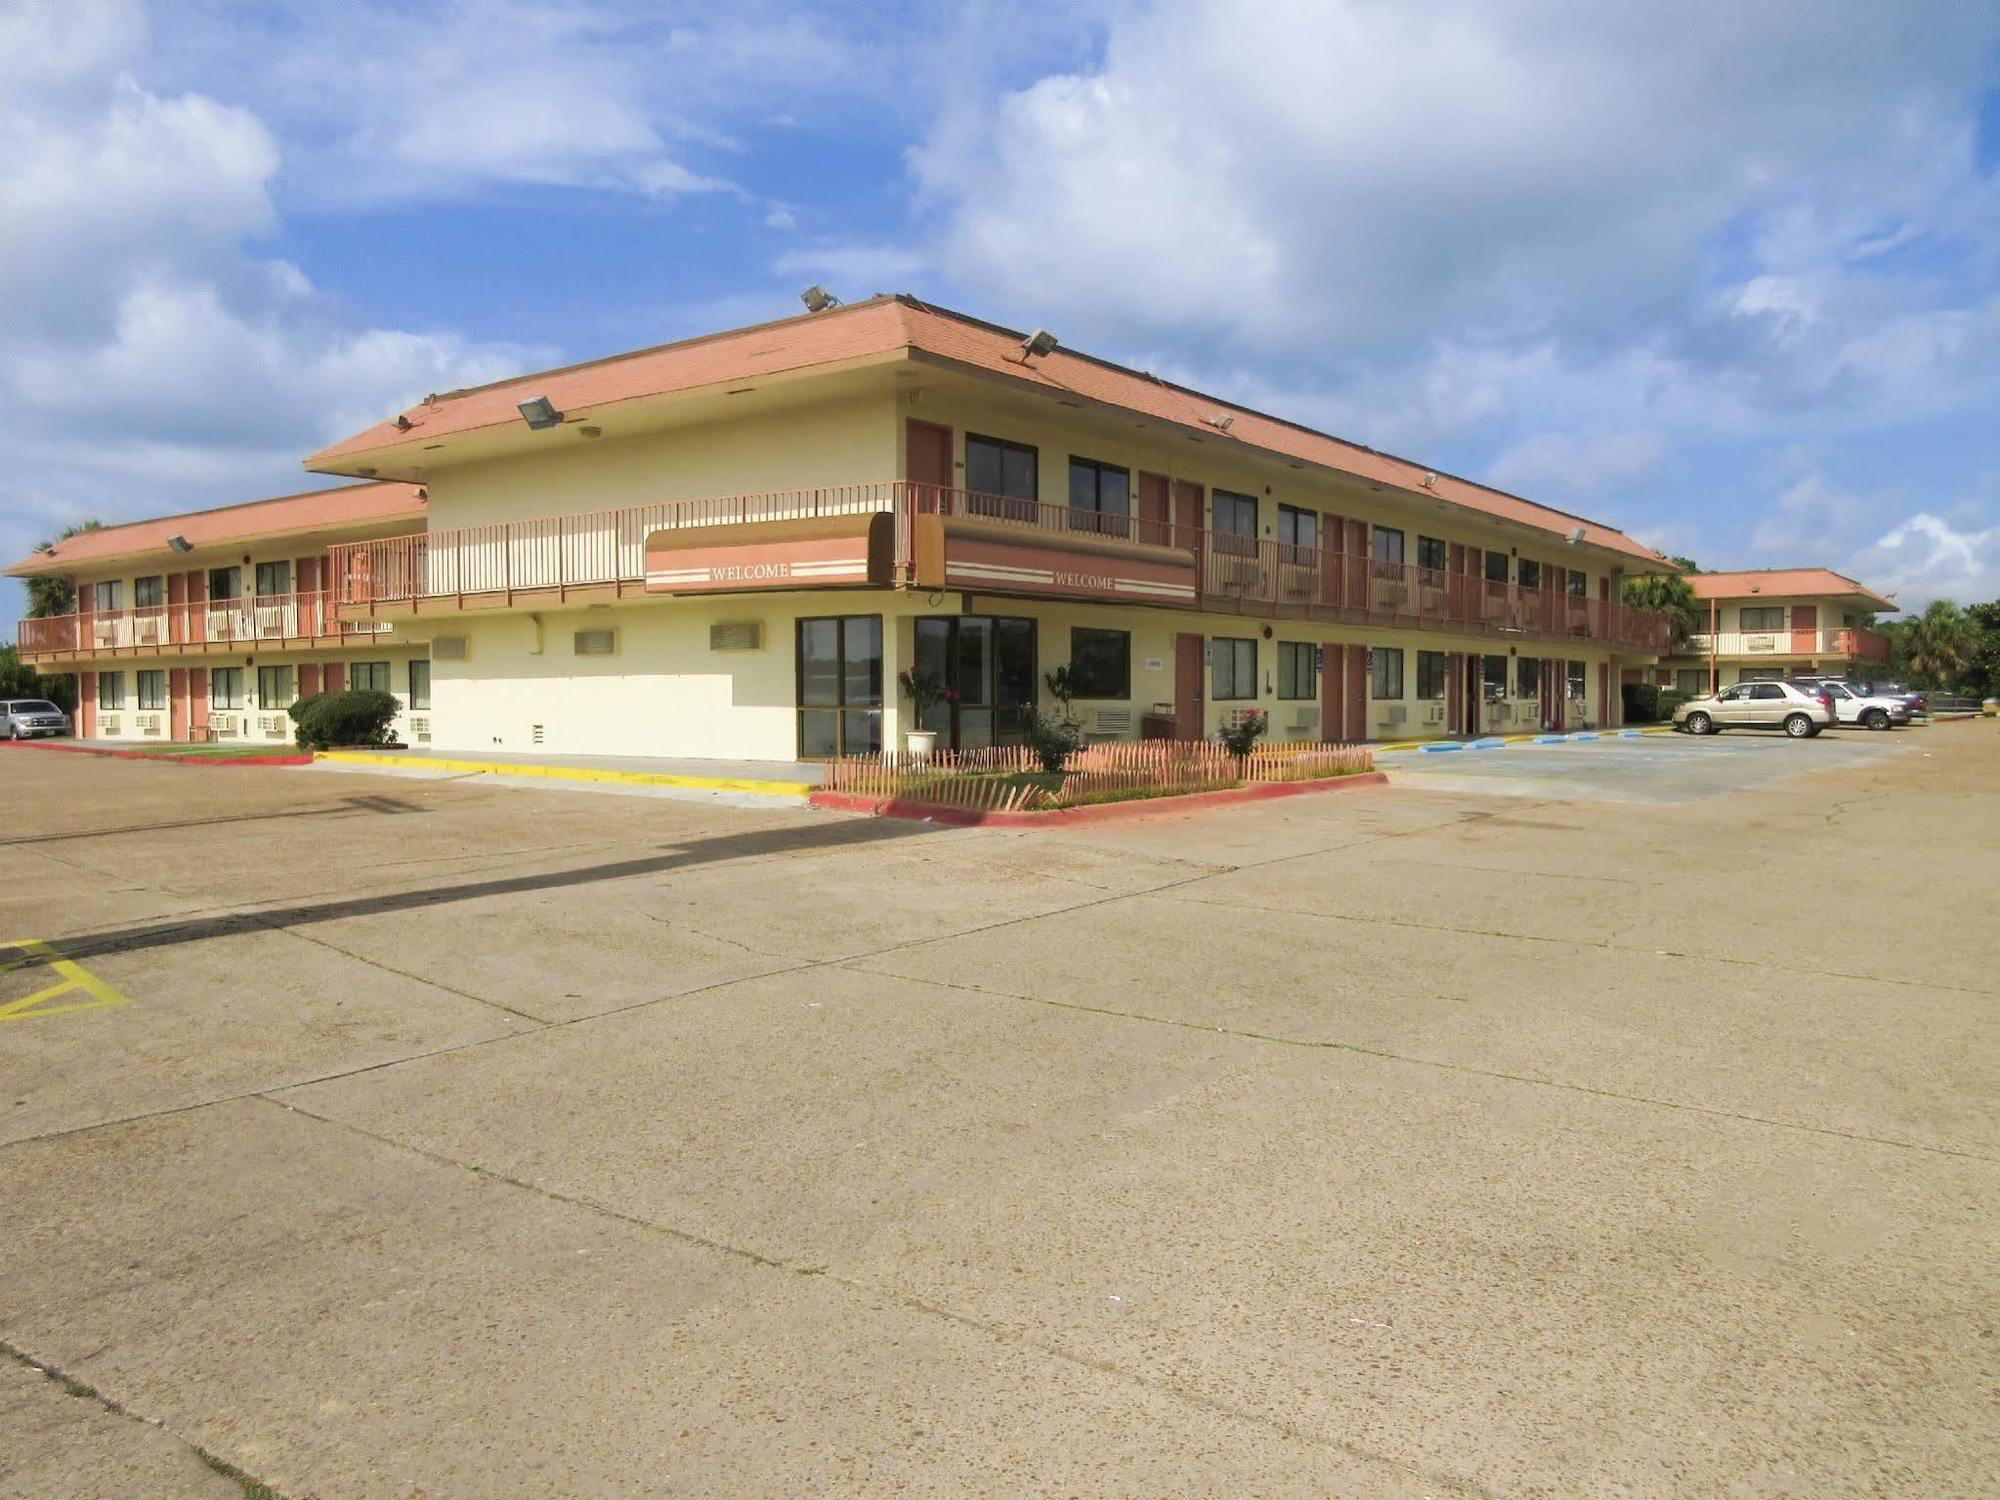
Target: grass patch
{"x":253,"y":1489}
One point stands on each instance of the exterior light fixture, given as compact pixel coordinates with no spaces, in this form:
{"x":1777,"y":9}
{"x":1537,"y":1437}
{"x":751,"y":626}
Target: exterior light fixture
{"x":404,"y":424}
{"x":818,"y":299}
{"x":540,"y":412}
{"x":1575,"y":538}
{"x":180,"y":544}
{"x":1222,"y":421}
{"x":1038,"y":345}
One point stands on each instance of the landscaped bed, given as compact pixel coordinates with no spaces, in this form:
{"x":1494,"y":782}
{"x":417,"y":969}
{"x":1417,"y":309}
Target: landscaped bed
{"x":1008,"y":785}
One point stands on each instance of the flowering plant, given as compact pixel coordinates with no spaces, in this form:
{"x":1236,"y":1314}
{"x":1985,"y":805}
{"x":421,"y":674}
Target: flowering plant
{"x":1241,"y":737}
{"x":924,"y":690}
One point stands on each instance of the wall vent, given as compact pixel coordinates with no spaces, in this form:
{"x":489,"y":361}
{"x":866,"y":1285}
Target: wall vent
{"x":1113,"y":721}
{"x":537,"y":735}
{"x":1434,"y":714}
{"x":448,"y":648}
{"x":736,"y":635}
{"x":596,"y":642}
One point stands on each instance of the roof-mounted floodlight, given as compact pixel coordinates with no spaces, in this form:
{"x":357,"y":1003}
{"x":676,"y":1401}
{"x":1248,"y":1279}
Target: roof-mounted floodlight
{"x":1575,"y":537}
{"x":541,"y":412}
{"x":1222,"y":420}
{"x":1038,"y":345}
{"x":818,"y":299}
{"x":180,"y":544}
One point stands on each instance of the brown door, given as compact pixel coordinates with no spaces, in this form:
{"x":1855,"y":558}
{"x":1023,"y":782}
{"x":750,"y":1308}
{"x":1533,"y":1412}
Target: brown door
{"x":197,"y":608}
{"x":1332,"y":695}
{"x":1473,"y":688}
{"x":197,"y":698}
{"x":1357,"y":693}
{"x":308,"y":679}
{"x":928,"y":460}
{"x":305,"y":578}
{"x":1454,"y":684}
{"x":1356,"y":593}
{"x":86,"y":699}
{"x":1190,"y":706}
{"x":1805,"y":629}
{"x":1606,"y":716}
{"x":177,"y":626}
{"x":177,"y":703}
{"x":1332,"y":534}
{"x":1154,"y":507}
{"x":336,"y":677}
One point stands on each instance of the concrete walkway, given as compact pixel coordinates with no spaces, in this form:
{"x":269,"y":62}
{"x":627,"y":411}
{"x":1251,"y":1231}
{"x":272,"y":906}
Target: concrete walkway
{"x":761,"y":782}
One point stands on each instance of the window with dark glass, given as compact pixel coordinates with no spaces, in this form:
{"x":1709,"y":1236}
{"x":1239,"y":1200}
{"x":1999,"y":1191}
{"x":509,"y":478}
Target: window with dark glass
{"x":1296,"y":669}
{"x":1385,"y":672}
{"x":277,"y":687}
{"x":1763,"y":617}
{"x":109,"y":596}
{"x":1433,"y":668}
{"x":1496,"y":567}
{"x":1579,"y":584}
{"x":1100,"y":662}
{"x":1298,"y":528}
{"x":420,"y":684}
{"x":1386,"y":545}
{"x":225,"y":687}
{"x":840,"y":686}
{"x":1691,"y":680}
{"x":1432,"y":553}
{"x":1233,"y":669}
{"x":999,"y":472}
{"x":110,"y":689}
{"x":273,"y":578}
{"x":1530,"y":573}
{"x":1527,"y":677}
{"x":225,"y":583}
{"x":1574,"y":682}
{"x":1100,"y":496}
{"x":369,"y":677}
{"x":152,"y":690}
{"x":149,"y":593}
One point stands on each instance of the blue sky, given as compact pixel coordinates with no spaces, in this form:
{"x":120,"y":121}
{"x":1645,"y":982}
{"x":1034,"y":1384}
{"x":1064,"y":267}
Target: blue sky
{"x":1725,"y":275}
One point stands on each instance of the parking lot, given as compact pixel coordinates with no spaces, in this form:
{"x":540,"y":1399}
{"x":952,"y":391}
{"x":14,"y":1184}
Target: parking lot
{"x":1493,"y":1133}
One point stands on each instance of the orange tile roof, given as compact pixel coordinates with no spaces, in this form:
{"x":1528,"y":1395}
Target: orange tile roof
{"x":1785,"y":583}
{"x":897,"y":324}
{"x":345,"y":505}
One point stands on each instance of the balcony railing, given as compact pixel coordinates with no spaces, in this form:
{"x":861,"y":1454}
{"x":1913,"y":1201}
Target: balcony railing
{"x":1849,"y":642}
{"x":274,"y":619}
{"x":1234,"y":573}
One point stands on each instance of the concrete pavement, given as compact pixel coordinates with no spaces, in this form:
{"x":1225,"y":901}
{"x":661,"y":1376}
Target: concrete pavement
{"x":460,"y":1140}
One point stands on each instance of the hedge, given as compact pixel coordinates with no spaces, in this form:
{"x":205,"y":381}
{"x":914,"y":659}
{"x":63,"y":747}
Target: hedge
{"x":349,"y":718}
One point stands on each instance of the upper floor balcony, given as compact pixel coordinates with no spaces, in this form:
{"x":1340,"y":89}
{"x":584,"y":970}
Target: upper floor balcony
{"x":927,"y":537}
{"x":1849,"y":643}
{"x":265,"y":621}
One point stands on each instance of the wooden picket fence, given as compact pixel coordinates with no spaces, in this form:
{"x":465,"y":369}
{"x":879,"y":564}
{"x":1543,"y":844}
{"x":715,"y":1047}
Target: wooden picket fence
{"x":979,"y":778}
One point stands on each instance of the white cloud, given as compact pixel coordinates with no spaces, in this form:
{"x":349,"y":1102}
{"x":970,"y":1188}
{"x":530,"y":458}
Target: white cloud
{"x":1809,"y":521}
{"x":1926,"y":557}
{"x":1559,"y":463}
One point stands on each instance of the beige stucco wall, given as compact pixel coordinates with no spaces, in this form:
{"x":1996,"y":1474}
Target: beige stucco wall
{"x":257,"y":722}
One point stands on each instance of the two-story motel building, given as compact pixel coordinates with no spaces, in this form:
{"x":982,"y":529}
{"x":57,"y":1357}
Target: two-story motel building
{"x":1779,"y":622}
{"x":728,"y":547}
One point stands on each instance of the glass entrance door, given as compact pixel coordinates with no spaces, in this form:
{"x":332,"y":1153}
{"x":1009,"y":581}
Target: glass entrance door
{"x":988,"y":662}
{"x":840,"y":686}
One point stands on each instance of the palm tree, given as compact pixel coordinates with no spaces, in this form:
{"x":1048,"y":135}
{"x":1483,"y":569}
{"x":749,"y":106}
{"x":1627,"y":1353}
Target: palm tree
{"x":1937,"y":645}
{"x":1670,"y":594}
{"x":48,"y":594}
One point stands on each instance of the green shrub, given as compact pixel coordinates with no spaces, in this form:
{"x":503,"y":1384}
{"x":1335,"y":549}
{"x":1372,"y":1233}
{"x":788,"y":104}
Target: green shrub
{"x":1240,"y":737}
{"x":348,"y":718}
{"x":1670,"y":699}
{"x":1054,"y":738}
{"x":1642,"y":702}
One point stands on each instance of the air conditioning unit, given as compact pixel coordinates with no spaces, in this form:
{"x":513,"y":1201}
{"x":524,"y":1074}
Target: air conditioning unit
{"x":448,"y":648}
{"x":1111,"y":721}
{"x":420,"y":731}
{"x":595,"y":642}
{"x":1396,"y":713}
{"x":736,"y":635}
{"x":272,"y":725}
{"x":1305,"y":720}
{"x":226,"y":727}
{"x":1434,"y":713}
{"x":146,"y":631}
{"x":108,"y":724}
{"x":149,"y":724}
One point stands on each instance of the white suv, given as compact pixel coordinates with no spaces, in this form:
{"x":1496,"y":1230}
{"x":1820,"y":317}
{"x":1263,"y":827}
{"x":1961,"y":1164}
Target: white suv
{"x":1853,"y":705}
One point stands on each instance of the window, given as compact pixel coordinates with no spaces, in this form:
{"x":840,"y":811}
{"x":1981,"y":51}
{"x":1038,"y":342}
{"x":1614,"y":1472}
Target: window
{"x":1574,"y":682}
{"x":1496,"y":567}
{"x":225,"y":687}
{"x":148,"y":593}
{"x":109,"y":596}
{"x":420,"y":684}
{"x":1530,"y":573}
{"x":276,"y":687}
{"x":1432,"y":553}
{"x":369,"y":677}
{"x":1763,"y":617}
{"x":1527,"y":677}
{"x":1234,"y":515}
{"x":1385,"y":672}
{"x":1433,"y":669}
{"x":1233,"y":674}
{"x":110,"y":689}
{"x":1766,"y":691}
{"x":1100,"y":497}
{"x":1295,"y":669}
{"x":1100,"y":663}
{"x":1298,"y":528}
{"x":152,"y":690}
{"x":1579,"y":584}
{"x":1692,"y":681}
{"x":998,"y":472}
{"x":273,"y":578}
{"x":840,"y":686}
{"x":1386,"y":545}
{"x":225,"y":583}
{"x":1493,"y":677}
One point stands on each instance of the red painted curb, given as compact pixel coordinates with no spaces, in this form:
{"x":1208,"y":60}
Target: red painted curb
{"x":1073,"y":817}
{"x":214,"y":763}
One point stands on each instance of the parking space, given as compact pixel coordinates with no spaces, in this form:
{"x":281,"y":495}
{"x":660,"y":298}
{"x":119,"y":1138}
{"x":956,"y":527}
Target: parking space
{"x":1655,"y":768}
{"x":1464,"y":1137}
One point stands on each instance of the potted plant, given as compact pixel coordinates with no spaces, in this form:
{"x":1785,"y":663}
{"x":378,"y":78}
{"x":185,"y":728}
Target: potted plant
{"x":925,"y":690}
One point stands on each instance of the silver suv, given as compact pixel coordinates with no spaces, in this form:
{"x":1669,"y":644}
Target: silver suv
{"x":1800,"y":712}
{"x":31,"y":718}
{"x":1854,"y":704}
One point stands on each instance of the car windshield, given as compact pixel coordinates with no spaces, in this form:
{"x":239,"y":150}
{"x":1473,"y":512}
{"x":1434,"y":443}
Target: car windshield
{"x":35,"y":706}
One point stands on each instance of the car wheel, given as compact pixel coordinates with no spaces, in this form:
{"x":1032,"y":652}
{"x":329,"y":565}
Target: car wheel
{"x":1876,"y":718}
{"x":1700,"y":724}
{"x":1799,"y":727}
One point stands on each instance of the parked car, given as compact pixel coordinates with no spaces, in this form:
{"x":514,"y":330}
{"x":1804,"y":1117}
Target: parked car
{"x":1919,"y":704}
{"x":1852,"y":704}
{"x":1801,"y":713}
{"x":31,"y":718}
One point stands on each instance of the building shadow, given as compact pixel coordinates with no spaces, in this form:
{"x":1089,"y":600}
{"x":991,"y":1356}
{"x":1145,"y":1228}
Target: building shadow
{"x":346,"y":806}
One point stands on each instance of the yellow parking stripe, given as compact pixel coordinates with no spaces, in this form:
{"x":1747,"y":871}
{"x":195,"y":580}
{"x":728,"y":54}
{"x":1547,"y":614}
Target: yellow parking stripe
{"x":76,"y":979}
{"x":572,"y":773}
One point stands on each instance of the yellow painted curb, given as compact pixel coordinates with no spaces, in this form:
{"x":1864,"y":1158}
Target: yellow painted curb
{"x":573,"y":773}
